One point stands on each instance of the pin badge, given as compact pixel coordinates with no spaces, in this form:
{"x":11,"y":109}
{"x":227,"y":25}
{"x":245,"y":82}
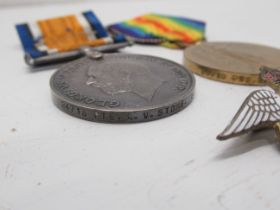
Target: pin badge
{"x":260,"y":110}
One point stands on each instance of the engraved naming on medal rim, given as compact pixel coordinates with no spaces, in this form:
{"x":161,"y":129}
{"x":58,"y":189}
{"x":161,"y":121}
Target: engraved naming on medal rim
{"x":122,"y":88}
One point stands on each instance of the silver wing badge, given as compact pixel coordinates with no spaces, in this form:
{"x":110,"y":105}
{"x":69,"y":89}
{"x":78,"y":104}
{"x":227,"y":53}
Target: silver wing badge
{"x":261,"y":109}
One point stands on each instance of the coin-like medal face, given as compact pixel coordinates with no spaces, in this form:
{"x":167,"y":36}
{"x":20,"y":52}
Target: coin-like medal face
{"x":122,"y":88}
{"x":231,"y":62}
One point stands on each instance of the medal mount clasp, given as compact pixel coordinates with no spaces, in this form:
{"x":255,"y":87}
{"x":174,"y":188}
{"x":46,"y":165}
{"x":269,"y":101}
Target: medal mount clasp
{"x":93,"y":54}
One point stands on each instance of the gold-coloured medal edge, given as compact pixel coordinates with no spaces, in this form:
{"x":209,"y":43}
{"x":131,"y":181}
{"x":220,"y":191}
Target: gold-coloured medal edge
{"x":224,"y":76}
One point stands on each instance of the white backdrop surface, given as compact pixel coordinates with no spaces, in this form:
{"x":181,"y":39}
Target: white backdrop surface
{"x":36,"y":2}
{"x":49,"y":160}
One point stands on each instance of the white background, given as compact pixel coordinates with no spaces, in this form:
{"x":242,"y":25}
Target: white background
{"x":29,"y":2}
{"x":52,"y":161}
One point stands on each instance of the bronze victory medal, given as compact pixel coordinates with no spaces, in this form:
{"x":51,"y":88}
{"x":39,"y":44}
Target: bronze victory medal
{"x":122,"y":88}
{"x":231,"y":62}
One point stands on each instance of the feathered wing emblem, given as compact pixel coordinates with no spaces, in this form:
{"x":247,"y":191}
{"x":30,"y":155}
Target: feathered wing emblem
{"x":261,"y":109}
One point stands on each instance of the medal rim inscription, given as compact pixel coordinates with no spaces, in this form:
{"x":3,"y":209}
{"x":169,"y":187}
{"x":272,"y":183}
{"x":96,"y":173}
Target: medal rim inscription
{"x":224,"y":76}
{"x":216,"y":73}
{"x":177,"y":104}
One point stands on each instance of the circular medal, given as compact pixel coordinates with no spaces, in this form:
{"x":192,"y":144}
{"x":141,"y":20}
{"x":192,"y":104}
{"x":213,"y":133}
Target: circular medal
{"x":231,"y":62}
{"x":122,"y":88}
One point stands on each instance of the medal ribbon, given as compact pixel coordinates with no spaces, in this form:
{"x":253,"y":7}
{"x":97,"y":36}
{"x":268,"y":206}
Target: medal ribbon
{"x":168,"y":31}
{"x":62,"y":34}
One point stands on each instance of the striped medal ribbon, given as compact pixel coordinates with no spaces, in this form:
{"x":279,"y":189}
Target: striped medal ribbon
{"x":168,"y":31}
{"x":62,"y":34}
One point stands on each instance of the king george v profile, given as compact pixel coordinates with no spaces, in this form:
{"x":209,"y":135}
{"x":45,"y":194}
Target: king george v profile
{"x":116,"y":78}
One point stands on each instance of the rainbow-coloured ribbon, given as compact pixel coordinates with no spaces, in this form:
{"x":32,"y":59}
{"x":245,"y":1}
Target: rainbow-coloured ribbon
{"x":169,"y":31}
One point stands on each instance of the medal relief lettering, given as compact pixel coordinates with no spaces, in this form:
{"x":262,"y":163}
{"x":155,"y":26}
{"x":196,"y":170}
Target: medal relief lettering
{"x":122,"y":88}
